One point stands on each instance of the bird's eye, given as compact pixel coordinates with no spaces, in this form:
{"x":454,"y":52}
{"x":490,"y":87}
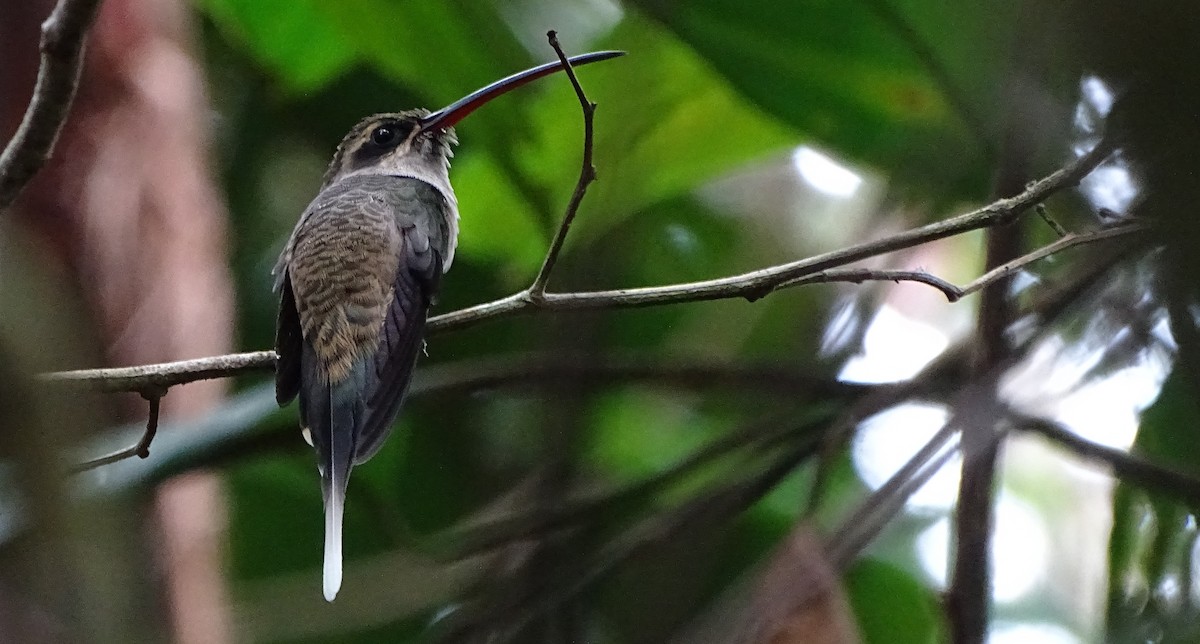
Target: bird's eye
{"x":385,"y":136}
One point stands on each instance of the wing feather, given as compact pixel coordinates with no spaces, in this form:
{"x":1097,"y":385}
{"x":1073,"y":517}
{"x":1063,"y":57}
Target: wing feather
{"x":356,"y":280}
{"x":402,"y":334}
{"x":289,"y":342}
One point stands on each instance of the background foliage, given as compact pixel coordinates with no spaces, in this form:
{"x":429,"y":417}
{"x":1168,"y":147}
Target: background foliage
{"x":923,"y":104}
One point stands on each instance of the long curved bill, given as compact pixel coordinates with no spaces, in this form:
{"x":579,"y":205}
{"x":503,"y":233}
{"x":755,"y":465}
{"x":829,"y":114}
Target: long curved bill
{"x":458,"y":110}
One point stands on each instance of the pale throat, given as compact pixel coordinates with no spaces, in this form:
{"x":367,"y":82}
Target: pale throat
{"x":435,"y":172}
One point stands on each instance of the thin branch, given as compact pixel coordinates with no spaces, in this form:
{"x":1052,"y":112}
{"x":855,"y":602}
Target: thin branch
{"x":168,"y":374}
{"x":212,"y":440}
{"x":473,"y":375}
{"x":968,"y":597}
{"x":63,"y":34}
{"x":147,"y":379}
{"x":1004,"y":270}
{"x":587,"y":174}
{"x":751,"y":285}
{"x":1124,"y":466}
{"x":857,"y":531}
{"x":842,"y":431}
{"x":548,"y":371}
{"x":153,"y":377}
{"x":709,"y":507}
{"x":865,"y":523}
{"x":969,"y":592}
{"x":757,"y":284}
{"x":473,"y":538}
{"x":141,"y":449}
{"x":954,"y":292}
{"x":1040,"y":209}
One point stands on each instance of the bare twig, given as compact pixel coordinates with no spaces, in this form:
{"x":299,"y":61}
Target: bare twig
{"x":141,"y":449}
{"x":212,"y":441}
{"x":1054,"y":225}
{"x":473,"y":375}
{"x":63,"y":34}
{"x":473,"y":538}
{"x":152,"y":377}
{"x":954,"y":292}
{"x":168,"y":374}
{"x":711,"y":507}
{"x":756,"y":284}
{"x":1069,"y":240}
{"x":587,"y":174}
{"x":1124,"y":466}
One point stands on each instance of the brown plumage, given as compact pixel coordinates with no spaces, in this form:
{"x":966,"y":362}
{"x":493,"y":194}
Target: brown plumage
{"x":356,"y":280}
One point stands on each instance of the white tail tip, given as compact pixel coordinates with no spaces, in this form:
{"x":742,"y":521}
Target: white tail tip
{"x":333,"y":546}
{"x":333,"y":576}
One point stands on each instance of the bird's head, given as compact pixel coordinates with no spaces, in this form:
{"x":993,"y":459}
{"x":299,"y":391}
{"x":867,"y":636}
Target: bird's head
{"x":418,"y":143}
{"x":400,"y":143}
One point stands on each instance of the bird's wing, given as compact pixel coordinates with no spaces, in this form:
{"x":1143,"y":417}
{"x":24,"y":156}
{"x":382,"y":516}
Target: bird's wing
{"x":358,"y":276}
{"x":419,"y":216}
{"x":289,"y":344}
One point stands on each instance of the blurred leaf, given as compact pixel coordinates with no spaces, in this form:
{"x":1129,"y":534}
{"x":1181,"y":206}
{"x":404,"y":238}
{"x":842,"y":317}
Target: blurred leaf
{"x":497,"y":223}
{"x":640,"y":433}
{"x":891,"y":606}
{"x":651,"y":146}
{"x":434,"y":47}
{"x":799,"y":598}
{"x":278,"y":510}
{"x":1167,"y":434}
{"x":794,"y":597}
{"x":851,"y":74}
{"x":291,"y":37}
{"x":1153,"y":536}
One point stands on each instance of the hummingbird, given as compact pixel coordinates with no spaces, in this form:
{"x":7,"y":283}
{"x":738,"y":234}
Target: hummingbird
{"x":356,"y":280}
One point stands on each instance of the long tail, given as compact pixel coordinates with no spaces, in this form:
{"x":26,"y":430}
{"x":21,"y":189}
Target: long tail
{"x":334,"y":488}
{"x":334,"y":412}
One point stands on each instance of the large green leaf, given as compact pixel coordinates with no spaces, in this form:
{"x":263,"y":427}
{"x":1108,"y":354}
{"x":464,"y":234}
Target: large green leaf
{"x":666,"y":124}
{"x":912,"y":88}
{"x":441,"y":49}
{"x":290,"y":37}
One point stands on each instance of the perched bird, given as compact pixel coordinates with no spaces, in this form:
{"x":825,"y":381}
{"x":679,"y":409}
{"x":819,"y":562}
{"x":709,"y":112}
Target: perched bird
{"x":356,"y":280}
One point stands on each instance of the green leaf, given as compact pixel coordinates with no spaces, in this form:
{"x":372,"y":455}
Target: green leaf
{"x":1167,"y":434}
{"x":290,"y":37}
{"x":497,"y":223}
{"x":276,"y":518}
{"x":855,"y":75}
{"x":686,"y":128}
{"x":440,"y":49}
{"x":892,"y":607}
{"x":1153,"y":535}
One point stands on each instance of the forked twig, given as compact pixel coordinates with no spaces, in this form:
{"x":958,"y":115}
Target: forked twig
{"x":587,"y":174}
{"x":141,"y":449}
